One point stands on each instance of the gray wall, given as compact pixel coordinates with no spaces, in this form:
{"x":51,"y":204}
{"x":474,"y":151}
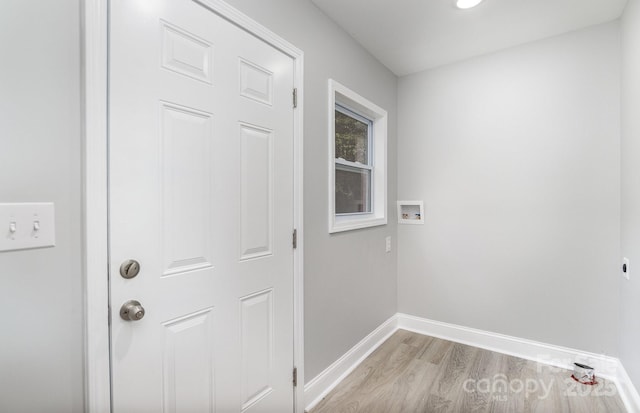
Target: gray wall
{"x":41,"y":290}
{"x":350,"y":282}
{"x":630,"y":222}
{"x":516,"y":155}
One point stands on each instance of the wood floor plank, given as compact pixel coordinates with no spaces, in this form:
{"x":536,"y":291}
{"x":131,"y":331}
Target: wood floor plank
{"x":454,"y":371}
{"x":435,"y":350}
{"x":423,"y":375}
{"x":413,"y":373}
{"x":475,"y":398}
{"x":380,"y":386}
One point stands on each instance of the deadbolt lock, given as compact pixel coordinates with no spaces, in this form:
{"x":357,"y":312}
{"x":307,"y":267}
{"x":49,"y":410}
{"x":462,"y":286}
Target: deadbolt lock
{"x":132,"y":310}
{"x":129,"y":269}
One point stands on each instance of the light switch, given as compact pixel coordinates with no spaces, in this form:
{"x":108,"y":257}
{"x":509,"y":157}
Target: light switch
{"x":28,"y":225}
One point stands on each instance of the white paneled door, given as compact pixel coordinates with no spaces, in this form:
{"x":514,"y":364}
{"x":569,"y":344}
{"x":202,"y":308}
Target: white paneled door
{"x":201,"y":196}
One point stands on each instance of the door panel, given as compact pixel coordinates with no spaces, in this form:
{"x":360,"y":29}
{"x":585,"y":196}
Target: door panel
{"x":201,"y":194}
{"x":256,"y":341}
{"x":186,"y":157}
{"x":256,"y":189}
{"x":187,"y":364}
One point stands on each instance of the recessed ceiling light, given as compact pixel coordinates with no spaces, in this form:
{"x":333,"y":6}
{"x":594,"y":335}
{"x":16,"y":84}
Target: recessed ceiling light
{"x":467,"y":4}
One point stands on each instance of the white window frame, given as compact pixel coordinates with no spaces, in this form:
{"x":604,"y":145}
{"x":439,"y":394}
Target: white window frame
{"x":346,"y":98}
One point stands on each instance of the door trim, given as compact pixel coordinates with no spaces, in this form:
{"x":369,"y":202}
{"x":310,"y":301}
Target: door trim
{"x":97,"y":380}
{"x":95,"y":37}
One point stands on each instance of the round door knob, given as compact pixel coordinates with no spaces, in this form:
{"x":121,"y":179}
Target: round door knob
{"x":132,"y":311}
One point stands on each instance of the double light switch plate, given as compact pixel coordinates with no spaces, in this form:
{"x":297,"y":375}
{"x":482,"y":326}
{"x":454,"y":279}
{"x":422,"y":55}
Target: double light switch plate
{"x":27,"y":225}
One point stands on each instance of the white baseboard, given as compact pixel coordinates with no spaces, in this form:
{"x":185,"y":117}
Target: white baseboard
{"x":549,"y":354}
{"x":316,"y":389}
{"x":605,"y":366}
{"x":627,"y":390}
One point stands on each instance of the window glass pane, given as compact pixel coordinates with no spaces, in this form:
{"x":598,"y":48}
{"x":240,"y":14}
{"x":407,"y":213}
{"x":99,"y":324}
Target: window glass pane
{"x":352,"y":139}
{"x":353,"y":193}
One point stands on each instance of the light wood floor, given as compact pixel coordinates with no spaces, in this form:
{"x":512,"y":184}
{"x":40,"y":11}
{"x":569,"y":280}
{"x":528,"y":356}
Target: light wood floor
{"x":414,"y":373}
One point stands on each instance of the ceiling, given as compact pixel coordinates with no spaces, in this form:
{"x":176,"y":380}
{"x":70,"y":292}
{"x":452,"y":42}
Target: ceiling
{"x":409,"y":36}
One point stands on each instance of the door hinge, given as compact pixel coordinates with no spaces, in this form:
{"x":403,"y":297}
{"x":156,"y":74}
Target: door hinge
{"x":295,"y":239}
{"x":295,"y":377}
{"x":295,"y":97}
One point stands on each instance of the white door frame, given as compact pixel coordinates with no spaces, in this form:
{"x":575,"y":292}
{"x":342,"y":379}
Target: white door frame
{"x":95,"y":195}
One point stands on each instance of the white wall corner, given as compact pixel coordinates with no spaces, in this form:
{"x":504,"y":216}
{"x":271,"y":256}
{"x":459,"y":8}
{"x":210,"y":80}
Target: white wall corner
{"x":317,"y":388}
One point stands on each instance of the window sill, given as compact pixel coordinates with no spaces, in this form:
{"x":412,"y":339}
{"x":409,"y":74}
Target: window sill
{"x":350,"y":222}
